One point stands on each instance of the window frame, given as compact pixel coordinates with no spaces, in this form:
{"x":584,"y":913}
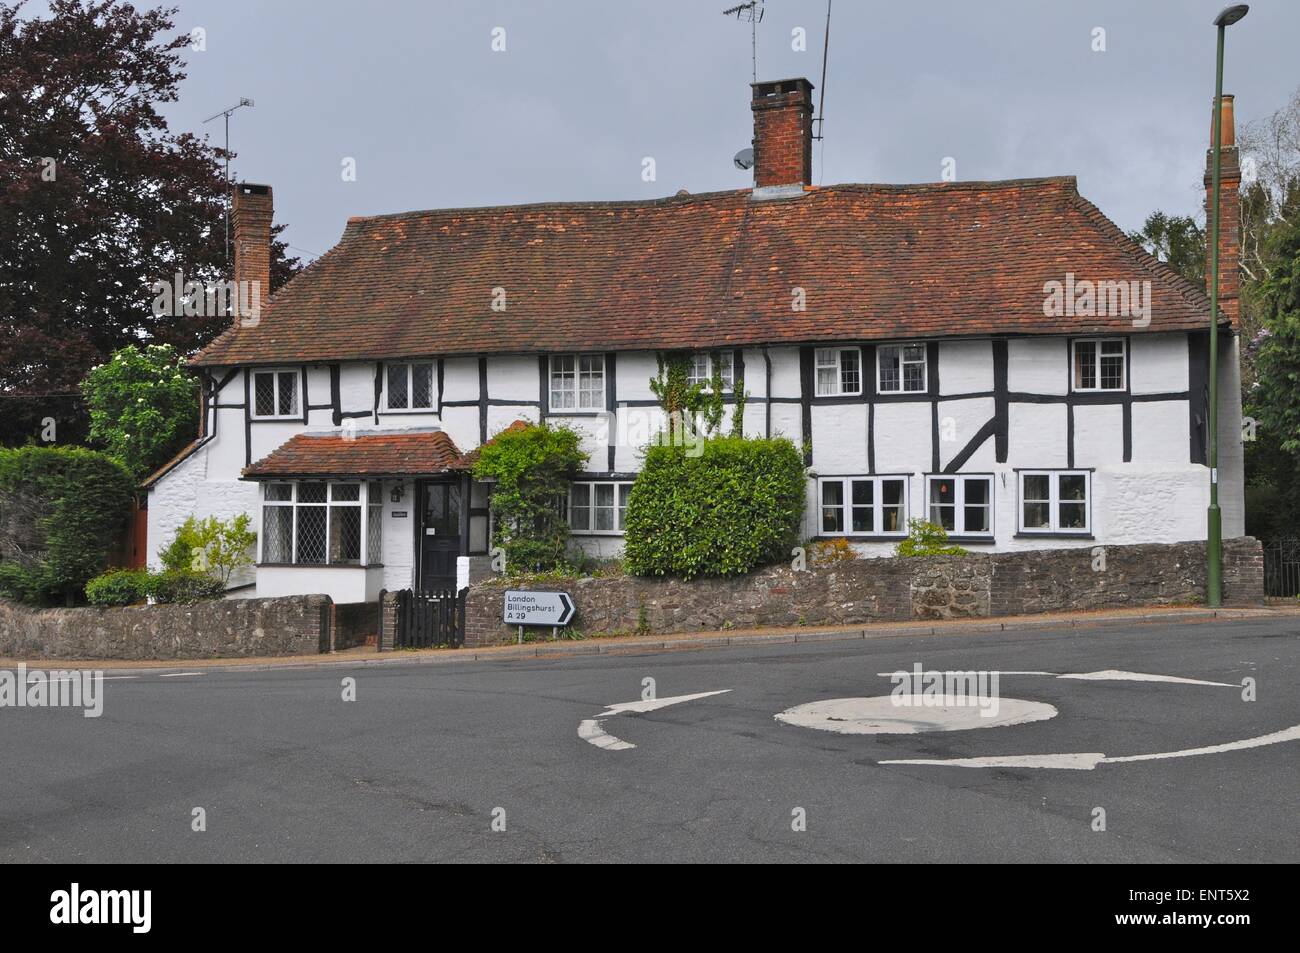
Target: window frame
{"x":276,"y":372}
{"x":577,"y":357}
{"x":902,"y":376}
{"x":1053,"y":503}
{"x":386,"y":401}
{"x":839,"y":352}
{"x":726,"y":356}
{"x":364,"y":503}
{"x":878,"y":505}
{"x":1097,"y":365}
{"x":959,"y":530}
{"x":620,"y":511}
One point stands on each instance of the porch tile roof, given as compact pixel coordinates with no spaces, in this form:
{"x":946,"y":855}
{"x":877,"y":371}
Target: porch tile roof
{"x":413,"y":453}
{"x":711,"y":270}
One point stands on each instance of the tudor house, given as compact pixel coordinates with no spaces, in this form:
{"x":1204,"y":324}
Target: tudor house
{"x":996,"y":356}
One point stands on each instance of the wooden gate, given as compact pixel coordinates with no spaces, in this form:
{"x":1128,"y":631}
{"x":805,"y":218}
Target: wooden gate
{"x":426,"y":619}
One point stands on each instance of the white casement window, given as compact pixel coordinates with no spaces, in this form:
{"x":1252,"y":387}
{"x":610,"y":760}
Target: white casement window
{"x":578,"y":382}
{"x":839,"y":371}
{"x":901,"y":369}
{"x":409,"y":386}
{"x":962,"y":505}
{"x":598,"y":507}
{"x":702,"y":367}
{"x":1055,"y":501}
{"x":863,"y":506}
{"x":321,"y":524}
{"x":1099,"y":364}
{"x":275,"y":394}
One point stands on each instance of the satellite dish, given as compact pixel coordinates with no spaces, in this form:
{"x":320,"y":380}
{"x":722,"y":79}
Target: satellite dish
{"x":744,"y":159}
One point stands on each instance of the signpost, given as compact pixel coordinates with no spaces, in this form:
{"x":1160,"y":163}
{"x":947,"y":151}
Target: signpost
{"x":523,"y":608}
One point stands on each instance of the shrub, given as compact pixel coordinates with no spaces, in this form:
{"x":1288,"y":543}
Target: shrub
{"x":61,"y":511}
{"x":926,"y":539}
{"x":735,"y":506}
{"x":825,"y":552}
{"x":210,"y":545}
{"x":184,"y":586}
{"x":532,"y":467}
{"x":143,"y":406}
{"x":118,"y":587}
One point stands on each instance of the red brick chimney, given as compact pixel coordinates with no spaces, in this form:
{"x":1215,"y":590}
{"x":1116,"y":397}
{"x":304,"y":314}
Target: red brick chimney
{"x":250,"y":222}
{"x":783,"y":111}
{"x":1229,"y":213}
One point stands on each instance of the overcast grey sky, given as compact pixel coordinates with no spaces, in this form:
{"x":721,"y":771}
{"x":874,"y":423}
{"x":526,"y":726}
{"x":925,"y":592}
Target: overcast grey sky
{"x":412,"y":90}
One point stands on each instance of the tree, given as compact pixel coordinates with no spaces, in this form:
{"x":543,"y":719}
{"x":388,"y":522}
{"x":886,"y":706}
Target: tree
{"x":1177,"y":241}
{"x":98,"y":200}
{"x":142,"y":405}
{"x":1276,"y":398}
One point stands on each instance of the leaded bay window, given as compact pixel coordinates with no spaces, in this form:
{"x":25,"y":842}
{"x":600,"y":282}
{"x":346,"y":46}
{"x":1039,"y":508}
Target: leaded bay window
{"x":275,"y":394}
{"x":598,"y":507}
{"x":863,"y":506}
{"x":901,"y":368}
{"x":313,"y":523}
{"x":1055,"y":501}
{"x":578,"y":382}
{"x":409,"y":386}
{"x":1099,"y":364}
{"x":839,"y":371}
{"x":962,"y":505}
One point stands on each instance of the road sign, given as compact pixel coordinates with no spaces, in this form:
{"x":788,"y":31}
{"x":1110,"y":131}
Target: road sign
{"x":537,"y":608}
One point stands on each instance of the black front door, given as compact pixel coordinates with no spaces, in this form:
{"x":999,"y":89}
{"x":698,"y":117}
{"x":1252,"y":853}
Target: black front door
{"x":439,"y":534}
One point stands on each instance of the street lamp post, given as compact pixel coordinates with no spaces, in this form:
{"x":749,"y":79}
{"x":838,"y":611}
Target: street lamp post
{"x":1214,"y":518}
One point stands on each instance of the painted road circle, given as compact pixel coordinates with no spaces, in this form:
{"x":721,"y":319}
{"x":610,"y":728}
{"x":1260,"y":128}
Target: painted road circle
{"x":910,"y":715}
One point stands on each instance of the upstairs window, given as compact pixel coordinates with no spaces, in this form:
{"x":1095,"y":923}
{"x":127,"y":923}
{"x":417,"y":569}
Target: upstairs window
{"x":409,"y":386}
{"x":902,"y":369}
{"x":1054,"y":501}
{"x":578,"y":382}
{"x":275,"y":394}
{"x":839,"y":371}
{"x":702,"y":367}
{"x":1099,"y":364}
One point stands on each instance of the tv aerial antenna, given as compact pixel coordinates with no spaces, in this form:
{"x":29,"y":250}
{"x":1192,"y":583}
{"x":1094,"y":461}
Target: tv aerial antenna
{"x":226,"y":113}
{"x":752,"y":12}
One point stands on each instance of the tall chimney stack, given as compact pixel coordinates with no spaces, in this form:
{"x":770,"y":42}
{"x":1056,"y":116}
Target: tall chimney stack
{"x":251,"y":219}
{"x":1229,"y":213}
{"x":783,"y":111}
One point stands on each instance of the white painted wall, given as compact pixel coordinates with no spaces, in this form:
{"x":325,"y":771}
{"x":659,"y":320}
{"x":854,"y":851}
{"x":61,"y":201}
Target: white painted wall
{"x":1159,"y":496}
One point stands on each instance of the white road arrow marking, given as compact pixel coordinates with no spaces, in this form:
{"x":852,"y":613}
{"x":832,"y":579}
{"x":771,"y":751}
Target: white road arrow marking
{"x":590,"y":730}
{"x":1088,"y":761}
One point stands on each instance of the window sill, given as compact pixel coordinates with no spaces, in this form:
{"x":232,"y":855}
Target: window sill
{"x":279,"y":418}
{"x":573,"y":412}
{"x":862,"y":537}
{"x":320,"y":565}
{"x":972,"y":540}
{"x":1032,"y":535}
{"x":597,"y":532}
{"x":406,"y":411}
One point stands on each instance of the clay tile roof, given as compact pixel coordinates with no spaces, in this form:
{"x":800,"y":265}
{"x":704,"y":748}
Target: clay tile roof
{"x":709,"y":270}
{"x":410,"y":453}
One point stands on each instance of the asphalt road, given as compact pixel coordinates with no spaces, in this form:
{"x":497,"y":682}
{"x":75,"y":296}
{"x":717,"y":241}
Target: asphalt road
{"x":416,"y":767}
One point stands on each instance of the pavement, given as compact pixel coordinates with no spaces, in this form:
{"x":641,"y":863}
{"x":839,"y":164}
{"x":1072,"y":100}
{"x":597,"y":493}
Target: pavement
{"x":668,"y":756}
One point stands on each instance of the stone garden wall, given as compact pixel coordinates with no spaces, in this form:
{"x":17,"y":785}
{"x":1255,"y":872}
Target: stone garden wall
{"x":890,"y":589}
{"x":221,"y":628}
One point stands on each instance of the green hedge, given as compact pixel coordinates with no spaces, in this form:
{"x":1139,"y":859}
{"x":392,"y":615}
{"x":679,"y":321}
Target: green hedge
{"x":128,"y":587}
{"x":118,"y":587}
{"x":61,"y":511}
{"x":731,"y":508}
